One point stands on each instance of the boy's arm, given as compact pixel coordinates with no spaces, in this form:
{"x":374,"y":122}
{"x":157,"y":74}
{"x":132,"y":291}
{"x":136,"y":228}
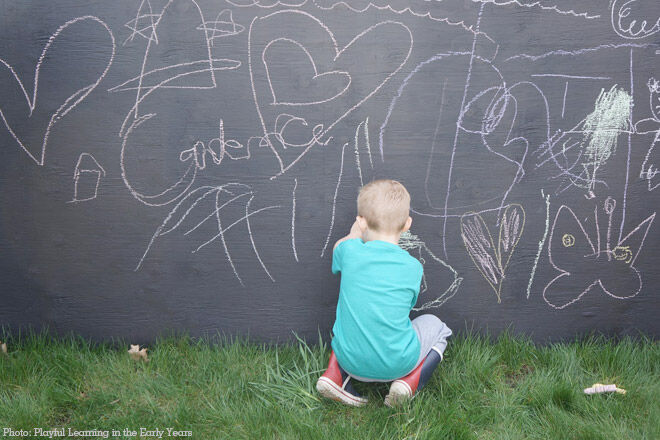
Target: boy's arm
{"x":355,"y":232}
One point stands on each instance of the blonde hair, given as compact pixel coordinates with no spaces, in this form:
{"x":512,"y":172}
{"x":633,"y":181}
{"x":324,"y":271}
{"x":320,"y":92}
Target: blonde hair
{"x":385,"y":205}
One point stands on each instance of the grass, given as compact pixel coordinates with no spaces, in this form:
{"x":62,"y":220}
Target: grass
{"x":507,"y":388}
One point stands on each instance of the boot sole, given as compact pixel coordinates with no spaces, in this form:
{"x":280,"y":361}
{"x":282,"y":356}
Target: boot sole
{"x":330,"y":390}
{"x":400,"y":392}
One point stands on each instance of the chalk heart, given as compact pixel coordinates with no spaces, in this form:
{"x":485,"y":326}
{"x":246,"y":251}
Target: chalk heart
{"x":66,"y":77}
{"x":306,"y":86}
{"x":297,"y":68}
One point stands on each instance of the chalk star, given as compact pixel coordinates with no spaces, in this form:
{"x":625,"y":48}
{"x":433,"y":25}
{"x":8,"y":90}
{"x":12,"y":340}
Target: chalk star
{"x":142,"y":23}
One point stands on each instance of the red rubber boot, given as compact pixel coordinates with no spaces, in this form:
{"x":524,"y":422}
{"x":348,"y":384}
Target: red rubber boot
{"x":335,"y":384}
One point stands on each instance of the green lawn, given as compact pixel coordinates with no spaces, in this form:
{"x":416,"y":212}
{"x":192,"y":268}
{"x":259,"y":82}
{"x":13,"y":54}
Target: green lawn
{"x":503,"y":389}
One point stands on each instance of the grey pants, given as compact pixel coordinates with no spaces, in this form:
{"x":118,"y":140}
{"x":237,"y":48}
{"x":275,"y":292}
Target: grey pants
{"x":432,"y":334}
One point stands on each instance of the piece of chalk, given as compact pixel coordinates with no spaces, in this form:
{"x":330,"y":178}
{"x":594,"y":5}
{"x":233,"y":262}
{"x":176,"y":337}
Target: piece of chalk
{"x":598,"y":388}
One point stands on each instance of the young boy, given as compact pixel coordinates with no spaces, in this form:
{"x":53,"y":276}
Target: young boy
{"x":373,"y":337}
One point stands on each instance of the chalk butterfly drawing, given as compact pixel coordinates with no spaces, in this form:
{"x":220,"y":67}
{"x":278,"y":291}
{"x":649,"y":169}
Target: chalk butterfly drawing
{"x":584,"y":265}
{"x":70,"y":88}
{"x":492,"y":261}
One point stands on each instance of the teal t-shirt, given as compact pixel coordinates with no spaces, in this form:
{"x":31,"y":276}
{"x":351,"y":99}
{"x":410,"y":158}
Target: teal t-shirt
{"x":373,"y":335}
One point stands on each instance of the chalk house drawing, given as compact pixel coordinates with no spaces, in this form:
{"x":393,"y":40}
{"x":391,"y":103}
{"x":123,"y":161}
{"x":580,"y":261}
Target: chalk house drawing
{"x":86,"y":178}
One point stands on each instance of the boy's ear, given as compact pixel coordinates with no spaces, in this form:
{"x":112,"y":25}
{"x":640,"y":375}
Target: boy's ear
{"x":407,"y":225}
{"x":362,"y":223}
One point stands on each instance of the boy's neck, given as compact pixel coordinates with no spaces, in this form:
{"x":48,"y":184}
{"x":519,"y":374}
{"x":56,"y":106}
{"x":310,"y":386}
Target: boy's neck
{"x":370,"y":235}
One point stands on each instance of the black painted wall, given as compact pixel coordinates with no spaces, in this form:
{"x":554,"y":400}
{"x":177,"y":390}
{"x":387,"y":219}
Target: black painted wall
{"x":189,"y":164}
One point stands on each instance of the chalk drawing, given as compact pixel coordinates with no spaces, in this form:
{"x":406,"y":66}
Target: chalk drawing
{"x":583,"y":266}
{"x":602,"y":127}
{"x":584,"y":50}
{"x":143,"y":23}
{"x":279,"y":25}
{"x":69,"y":103}
{"x":190,"y":74}
{"x":266,"y":4}
{"x":537,"y":4}
{"x":541,"y":243}
{"x":334,"y":200}
{"x":168,"y":195}
{"x":405,"y":8}
{"x":361,"y":142}
{"x":234,"y":192}
{"x":230,"y":148}
{"x":492,"y":261}
{"x":293,"y":219}
{"x":223,"y":26}
{"x":649,"y":169}
{"x":86,"y":165}
{"x":594,"y":142}
{"x":333,"y":80}
{"x":626,"y":26}
{"x":412,"y":243}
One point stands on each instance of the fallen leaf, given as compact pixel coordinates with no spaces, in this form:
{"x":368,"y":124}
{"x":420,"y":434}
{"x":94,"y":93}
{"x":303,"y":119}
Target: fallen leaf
{"x":136,"y":353}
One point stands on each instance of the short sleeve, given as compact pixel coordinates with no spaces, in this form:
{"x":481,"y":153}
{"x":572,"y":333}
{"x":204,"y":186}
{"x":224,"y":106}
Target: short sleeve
{"x":336,"y":257}
{"x":338,"y":254}
{"x":418,"y":283}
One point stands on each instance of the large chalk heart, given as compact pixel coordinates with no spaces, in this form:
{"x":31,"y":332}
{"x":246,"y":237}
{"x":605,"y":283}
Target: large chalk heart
{"x":308,"y":86}
{"x":348,"y":76}
{"x":68,"y":77}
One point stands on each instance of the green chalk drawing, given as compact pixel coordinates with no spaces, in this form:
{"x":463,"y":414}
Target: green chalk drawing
{"x":602,"y":127}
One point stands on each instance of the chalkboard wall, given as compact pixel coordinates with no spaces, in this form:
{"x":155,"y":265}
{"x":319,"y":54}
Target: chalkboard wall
{"x":182,"y":164}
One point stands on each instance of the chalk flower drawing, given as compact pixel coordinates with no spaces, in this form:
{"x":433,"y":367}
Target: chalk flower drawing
{"x":492,"y":261}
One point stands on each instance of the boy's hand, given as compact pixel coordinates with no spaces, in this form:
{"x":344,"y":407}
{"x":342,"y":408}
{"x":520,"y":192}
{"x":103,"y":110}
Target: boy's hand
{"x":355,"y":232}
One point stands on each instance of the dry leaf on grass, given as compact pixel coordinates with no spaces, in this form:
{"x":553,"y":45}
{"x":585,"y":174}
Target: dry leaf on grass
{"x":138,"y":354}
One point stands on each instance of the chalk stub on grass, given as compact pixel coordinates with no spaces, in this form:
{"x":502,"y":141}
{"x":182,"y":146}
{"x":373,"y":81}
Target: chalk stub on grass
{"x":598,"y":388}
{"x":138,"y":354}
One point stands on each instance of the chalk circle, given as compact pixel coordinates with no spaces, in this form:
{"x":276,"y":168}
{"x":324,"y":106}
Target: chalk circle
{"x":609,"y":205}
{"x":622,"y":253}
{"x":568,"y":240}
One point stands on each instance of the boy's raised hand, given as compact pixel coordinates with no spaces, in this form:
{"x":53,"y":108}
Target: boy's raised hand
{"x":355,"y":232}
